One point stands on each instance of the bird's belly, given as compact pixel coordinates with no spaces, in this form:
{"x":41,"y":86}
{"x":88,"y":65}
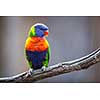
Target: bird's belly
{"x":36,"y":58}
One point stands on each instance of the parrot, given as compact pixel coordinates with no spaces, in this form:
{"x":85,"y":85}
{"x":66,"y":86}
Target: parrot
{"x":37,"y":49}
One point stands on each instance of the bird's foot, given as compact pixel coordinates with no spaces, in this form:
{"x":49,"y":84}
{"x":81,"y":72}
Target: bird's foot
{"x":30,"y":72}
{"x":43,"y":68}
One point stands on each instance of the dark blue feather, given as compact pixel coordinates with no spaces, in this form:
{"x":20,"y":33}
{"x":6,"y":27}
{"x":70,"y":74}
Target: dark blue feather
{"x":36,"y":58}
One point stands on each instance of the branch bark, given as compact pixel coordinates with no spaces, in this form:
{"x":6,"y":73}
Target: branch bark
{"x":61,"y":68}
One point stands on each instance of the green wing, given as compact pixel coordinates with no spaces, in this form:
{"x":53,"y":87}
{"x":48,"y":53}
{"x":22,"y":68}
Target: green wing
{"x":46,"y":62}
{"x":28,"y":61}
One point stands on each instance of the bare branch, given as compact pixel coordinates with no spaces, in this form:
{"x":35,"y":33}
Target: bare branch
{"x":61,"y":68}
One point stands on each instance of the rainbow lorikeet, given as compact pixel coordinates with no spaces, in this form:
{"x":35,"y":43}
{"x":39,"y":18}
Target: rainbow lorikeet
{"x":37,"y":48}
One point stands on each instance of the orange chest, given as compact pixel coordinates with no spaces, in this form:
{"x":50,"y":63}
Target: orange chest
{"x":36,"y":44}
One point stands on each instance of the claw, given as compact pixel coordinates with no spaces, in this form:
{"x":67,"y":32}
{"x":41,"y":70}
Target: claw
{"x":30,"y":72}
{"x":43,"y":68}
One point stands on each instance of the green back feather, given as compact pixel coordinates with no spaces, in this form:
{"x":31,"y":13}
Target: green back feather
{"x":31,"y":32}
{"x":46,"y":62}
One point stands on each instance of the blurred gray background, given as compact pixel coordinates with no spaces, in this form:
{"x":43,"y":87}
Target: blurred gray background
{"x":70,"y":38}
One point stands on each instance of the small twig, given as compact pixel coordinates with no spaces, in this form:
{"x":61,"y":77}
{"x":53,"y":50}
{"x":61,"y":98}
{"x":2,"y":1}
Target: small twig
{"x":61,"y":68}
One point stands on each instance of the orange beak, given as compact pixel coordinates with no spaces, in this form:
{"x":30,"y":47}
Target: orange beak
{"x":46,"y":33}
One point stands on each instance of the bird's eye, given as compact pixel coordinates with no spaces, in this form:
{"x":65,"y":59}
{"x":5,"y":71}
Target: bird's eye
{"x":41,"y":29}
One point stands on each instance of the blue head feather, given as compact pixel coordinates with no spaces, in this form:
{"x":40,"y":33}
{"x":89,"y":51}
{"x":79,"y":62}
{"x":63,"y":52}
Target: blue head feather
{"x":40,"y":29}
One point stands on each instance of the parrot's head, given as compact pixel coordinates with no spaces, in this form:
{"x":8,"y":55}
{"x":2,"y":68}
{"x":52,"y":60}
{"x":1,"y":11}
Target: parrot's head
{"x":39,"y":30}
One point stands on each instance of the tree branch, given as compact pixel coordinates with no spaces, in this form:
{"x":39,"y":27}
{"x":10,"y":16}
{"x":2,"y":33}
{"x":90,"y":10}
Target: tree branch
{"x":61,"y":68}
